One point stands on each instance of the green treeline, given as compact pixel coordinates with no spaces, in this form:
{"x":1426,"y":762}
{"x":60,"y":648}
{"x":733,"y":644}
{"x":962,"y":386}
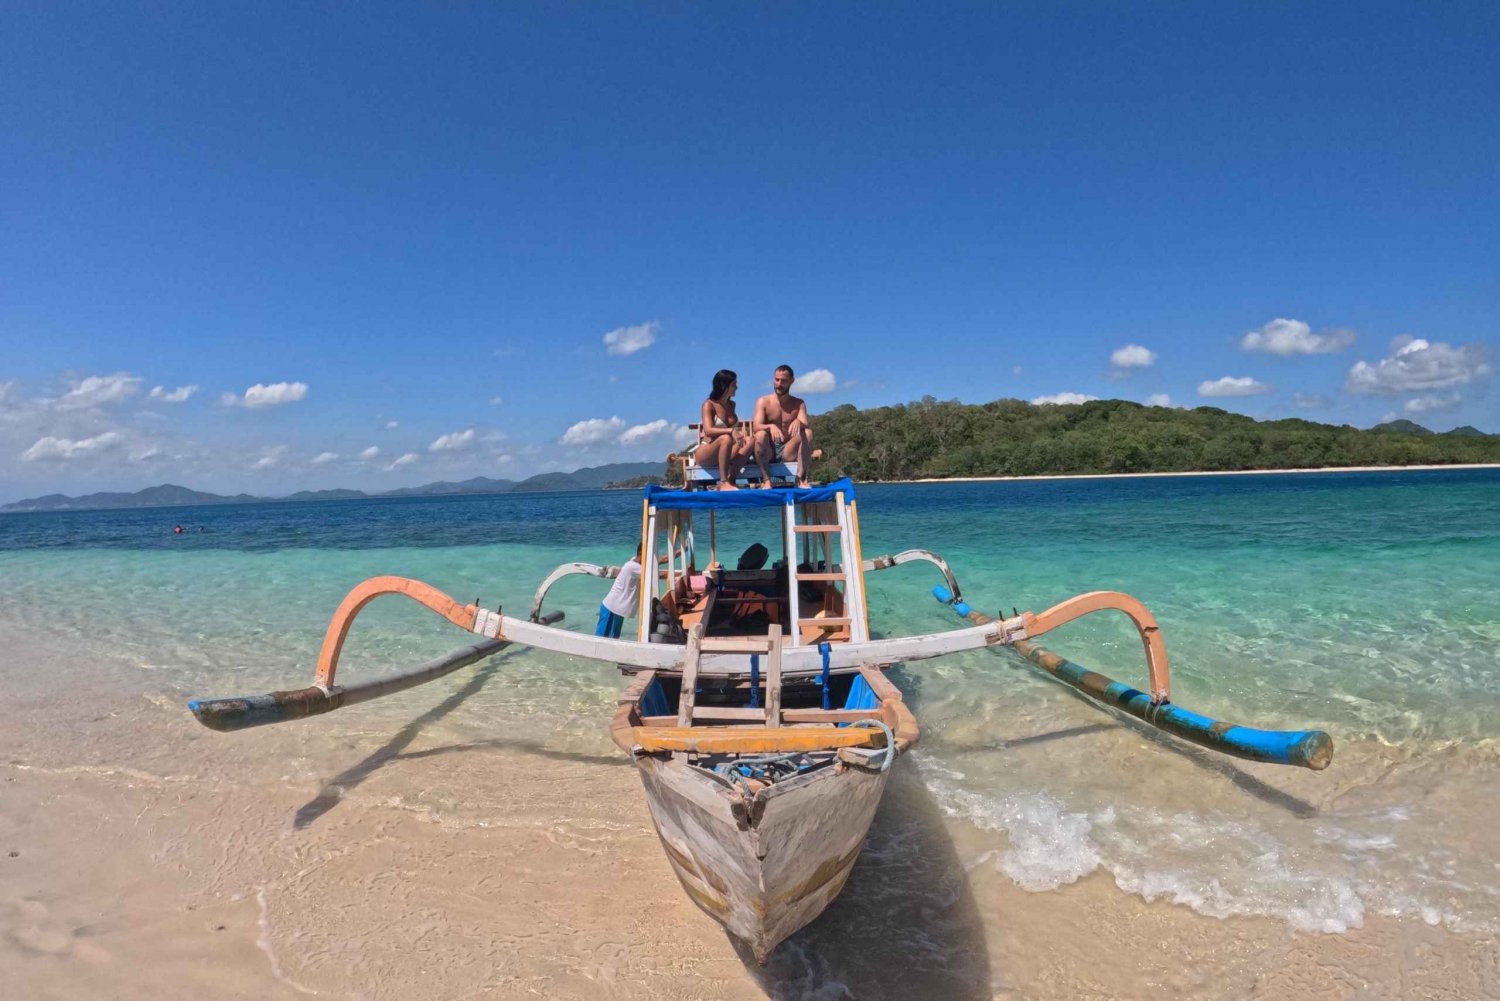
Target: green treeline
{"x":1014,"y":438}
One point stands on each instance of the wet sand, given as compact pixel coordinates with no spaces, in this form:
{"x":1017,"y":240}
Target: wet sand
{"x":144,"y":856}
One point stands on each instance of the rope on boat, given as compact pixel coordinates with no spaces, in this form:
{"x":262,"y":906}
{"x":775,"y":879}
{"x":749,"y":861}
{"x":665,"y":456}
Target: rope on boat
{"x":825,"y":649}
{"x":890,"y":740}
{"x":766,"y":768}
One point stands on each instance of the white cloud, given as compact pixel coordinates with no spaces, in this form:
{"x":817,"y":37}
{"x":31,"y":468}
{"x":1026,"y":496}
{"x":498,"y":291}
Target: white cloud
{"x":819,"y":380}
{"x":1158,"y":400}
{"x":270,"y":456}
{"x":1310,"y":401}
{"x":1233,"y":386}
{"x":495,"y":401}
{"x":51,"y":449}
{"x":273,"y":395}
{"x":404,"y":460}
{"x":322,"y":458}
{"x":1132,"y":356}
{"x":97,"y":390}
{"x":146,"y":454}
{"x":1293,"y":337}
{"x":1059,"y":399}
{"x":629,"y":340}
{"x":392,"y":425}
{"x":1415,"y":365}
{"x":592,"y":431}
{"x":658,"y":430}
{"x":1015,"y":370}
{"x":370,"y":453}
{"x":454,"y":441}
{"x":1427,"y":404}
{"x":684,"y":436}
{"x":177,"y":395}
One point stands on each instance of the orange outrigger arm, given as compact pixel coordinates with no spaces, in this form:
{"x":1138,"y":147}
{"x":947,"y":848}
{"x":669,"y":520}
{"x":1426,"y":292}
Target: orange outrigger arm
{"x":462,"y":616}
{"x":324,"y":696}
{"x":1098,"y":601}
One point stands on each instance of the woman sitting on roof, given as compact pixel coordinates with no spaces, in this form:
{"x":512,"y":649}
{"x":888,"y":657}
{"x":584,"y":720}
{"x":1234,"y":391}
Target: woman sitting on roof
{"x":721,"y":442}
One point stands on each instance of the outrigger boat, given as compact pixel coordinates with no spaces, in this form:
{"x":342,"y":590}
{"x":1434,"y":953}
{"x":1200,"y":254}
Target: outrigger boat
{"x":758,"y":711}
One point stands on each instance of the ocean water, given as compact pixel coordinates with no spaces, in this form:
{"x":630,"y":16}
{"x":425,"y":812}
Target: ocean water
{"x":1366,"y":604}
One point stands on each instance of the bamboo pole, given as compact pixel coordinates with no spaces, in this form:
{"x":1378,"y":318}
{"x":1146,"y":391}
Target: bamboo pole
{"x":1304,"y":748}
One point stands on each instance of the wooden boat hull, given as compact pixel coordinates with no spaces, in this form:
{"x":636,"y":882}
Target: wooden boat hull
{"x":763,"y":868}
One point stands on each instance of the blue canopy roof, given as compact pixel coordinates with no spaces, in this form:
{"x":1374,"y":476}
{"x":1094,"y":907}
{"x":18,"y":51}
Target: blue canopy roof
{"x":721,"y":500}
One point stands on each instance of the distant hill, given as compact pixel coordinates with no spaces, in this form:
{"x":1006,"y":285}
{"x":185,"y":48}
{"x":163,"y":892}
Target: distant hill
{"x":168,"y":495}
{"x":477,"y":485}
{"x":592,"y":478}
{"x":1467,"y":431}
{"x":325,"y":495}
{"x":1401,"y":427}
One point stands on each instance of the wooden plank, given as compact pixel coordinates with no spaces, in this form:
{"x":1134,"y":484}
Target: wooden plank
{"x":773,"y":677}
{"x":736,"y":644}
{"x":728,"y":713}
{"x":689,"y":676}
{"x":822,"y":576}
{"x":824,"y":621}
{"x":828,"y":715}
{"x":754,"y":739}
{"x":815,"y":528}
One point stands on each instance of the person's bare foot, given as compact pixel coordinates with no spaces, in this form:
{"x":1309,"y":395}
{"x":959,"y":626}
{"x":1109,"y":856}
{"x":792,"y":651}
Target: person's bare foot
{"x":727,"y":486}
{"x":802,"y":484}
{"x":765,"y":483}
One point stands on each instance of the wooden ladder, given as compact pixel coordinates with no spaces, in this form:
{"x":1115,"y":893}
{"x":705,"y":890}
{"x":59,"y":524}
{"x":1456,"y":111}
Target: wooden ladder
{"x":839,"y":573}
{"x":698,"y":644}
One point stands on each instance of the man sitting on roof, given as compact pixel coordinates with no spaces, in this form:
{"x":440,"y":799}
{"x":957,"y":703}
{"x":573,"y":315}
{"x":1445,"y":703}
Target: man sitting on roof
{"x":782,"y":428}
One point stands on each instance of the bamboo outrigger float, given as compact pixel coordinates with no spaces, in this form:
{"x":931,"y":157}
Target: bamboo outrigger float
{"x":758,"y":711}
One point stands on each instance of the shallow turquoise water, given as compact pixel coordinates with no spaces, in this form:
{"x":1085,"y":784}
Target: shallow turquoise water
{"x":1367,"y":604}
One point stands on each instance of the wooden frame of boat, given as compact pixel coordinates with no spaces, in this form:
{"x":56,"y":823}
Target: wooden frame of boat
{"x":760,"y":787}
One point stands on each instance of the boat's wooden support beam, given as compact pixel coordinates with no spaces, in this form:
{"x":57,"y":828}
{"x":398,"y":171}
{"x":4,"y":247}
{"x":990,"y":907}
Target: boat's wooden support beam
{"x":1305,"y":748}
{"x":1099,"y":601}
{"x":908,"y":556}
{"x":278,"y":707}
{"x":567,"y":569}
{"x":1026,"y":625}
{"x":753,"y":739}
{"x":324,"y":696}
{"x":462,"y":616}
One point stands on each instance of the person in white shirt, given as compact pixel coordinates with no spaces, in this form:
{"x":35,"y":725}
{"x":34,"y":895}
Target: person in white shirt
{"x":620,"y":603}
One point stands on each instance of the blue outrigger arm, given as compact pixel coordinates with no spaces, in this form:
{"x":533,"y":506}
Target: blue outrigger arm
{"x":1305,"y":748}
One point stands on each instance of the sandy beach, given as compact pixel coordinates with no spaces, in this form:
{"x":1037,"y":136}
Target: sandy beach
{"x":144,"y":857}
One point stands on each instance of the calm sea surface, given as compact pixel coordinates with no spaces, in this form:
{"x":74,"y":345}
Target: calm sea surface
{"x":1367,"y":604}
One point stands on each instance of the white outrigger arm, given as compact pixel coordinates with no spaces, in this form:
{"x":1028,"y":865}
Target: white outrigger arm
{"x":1312,"y":749}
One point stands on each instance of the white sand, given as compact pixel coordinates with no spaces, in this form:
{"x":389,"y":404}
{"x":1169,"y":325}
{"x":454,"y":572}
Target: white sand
{"x":142,"y":856}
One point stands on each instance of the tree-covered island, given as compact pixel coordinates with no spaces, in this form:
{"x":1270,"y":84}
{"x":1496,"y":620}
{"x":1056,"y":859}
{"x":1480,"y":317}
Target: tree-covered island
{"x":932,"y":438}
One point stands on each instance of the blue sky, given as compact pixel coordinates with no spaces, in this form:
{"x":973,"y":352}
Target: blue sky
{"x":413,"y":229}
